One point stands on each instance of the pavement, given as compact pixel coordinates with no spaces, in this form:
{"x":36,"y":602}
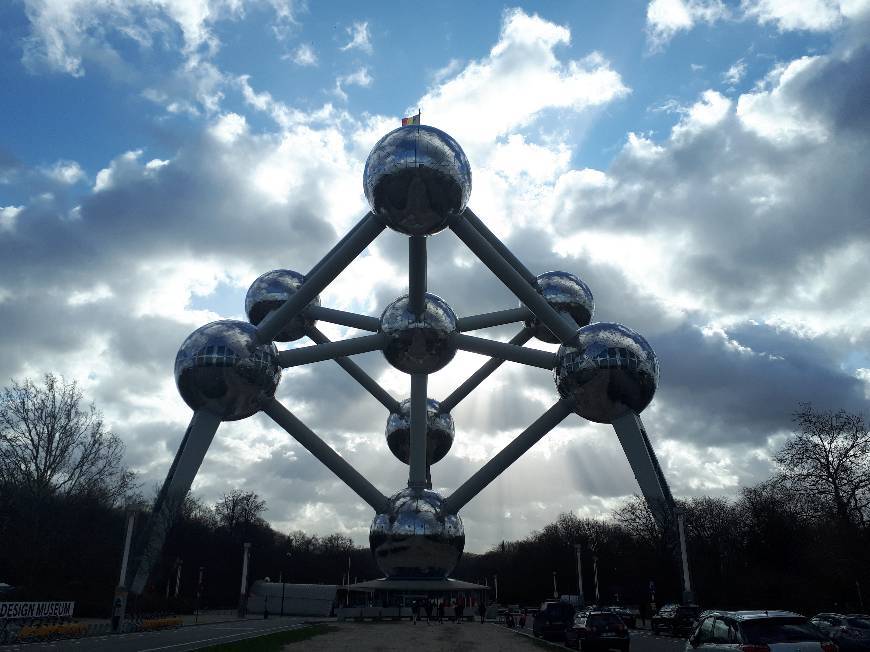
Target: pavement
{"x":173,"y":640}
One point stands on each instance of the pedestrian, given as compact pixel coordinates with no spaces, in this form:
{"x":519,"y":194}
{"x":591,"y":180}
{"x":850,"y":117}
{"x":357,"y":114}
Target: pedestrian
{"x":460,"y":607}
{"x":415,"y":611}
{"x":523,"y":618}
{"x":441,"y":611}
{"x":428,"y":611}
{"x":481,"y":609}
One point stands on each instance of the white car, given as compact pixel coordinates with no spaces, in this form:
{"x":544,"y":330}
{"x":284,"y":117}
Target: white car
{"x":757,"y":631}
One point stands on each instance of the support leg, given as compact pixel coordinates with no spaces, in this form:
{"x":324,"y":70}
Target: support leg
{"x":417,"y":472}
{"x":417,"y":274}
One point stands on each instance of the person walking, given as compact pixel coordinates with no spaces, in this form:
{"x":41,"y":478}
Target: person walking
{"x":441,"y":611}
{"x":523,"y":618}
{"x":428,"y":611}
{"x":481,"y":609}
{"x":415,"y":611}
{"x":460,"y":607}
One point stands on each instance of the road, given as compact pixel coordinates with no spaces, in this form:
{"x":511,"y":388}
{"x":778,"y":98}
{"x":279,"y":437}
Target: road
{"x":176,"y":640}
{"x":642,"y":640}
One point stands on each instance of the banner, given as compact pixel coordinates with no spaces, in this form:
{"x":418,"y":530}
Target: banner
{"x":36,"y":609}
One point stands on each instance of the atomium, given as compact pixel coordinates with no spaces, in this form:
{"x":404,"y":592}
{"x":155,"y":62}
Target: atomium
{"x":417,"y":178}
{"x":269,"y":292}
{"x":606,"y":371}
{"x":419,"y":344}
{"x":440,"y":432}
{"x":415,"y":538}
{"x":569,"y":296}
{"x":418,"y":181}
{"x":223,"y":368}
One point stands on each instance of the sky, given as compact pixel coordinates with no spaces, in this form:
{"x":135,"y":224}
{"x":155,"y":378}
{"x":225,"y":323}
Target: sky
{"x":702,"y":165}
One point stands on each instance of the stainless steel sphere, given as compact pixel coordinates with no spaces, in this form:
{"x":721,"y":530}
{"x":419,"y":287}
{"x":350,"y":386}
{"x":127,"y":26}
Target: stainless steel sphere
{"x":415,"y":539}
{"x":569,"y":296}
{"x":439,"y":432}
{"x":223,"y":368}
{"x":606,"y":370}
{"x":417,"y":178}
{"x":419,"y":345}
{"x":269,"y":292}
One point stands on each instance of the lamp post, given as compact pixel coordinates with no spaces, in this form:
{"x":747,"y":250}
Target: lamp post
{"x":595,"y":567}
{"x":555,"y":590}
{"x":283,"y":586}
{"x":495,"y":583}
{"x":243,"y":592}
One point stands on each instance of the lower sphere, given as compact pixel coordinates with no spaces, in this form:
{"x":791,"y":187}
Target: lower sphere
{"x":223,"y":368}
{"x":419,"y":343}
{"x":269,"y":292}
{"x":440,"y":432}
{"x":415,"y":539}
{"x":605,"y":371}
{"x":569,"y":296}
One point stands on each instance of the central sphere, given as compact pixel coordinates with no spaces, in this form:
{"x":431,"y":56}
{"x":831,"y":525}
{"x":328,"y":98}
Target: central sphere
{"x":419,"y":343}
{"x":415,"y":539}
{"x":417,"y":178}
{"x":269,"y":292}
{"x":605,"y":370}
{"x":223,"y":368}
{"x":569,"y":296}
{"x":440,"y":432}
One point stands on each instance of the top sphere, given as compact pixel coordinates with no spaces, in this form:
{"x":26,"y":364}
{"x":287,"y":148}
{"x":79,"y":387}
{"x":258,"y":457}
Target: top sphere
{"x":569,"y":296}
{"x":417,"y":178}
{"x":269,"y":292}
{"x":223,"y":368}
{"x":606,"y":370}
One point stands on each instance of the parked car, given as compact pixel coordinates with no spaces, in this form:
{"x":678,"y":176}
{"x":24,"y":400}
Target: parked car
{"x":627,"y":615}
{"x":675,"y":619}
{"x":553,"y":619}
{"x":757,"y":631}
{"x":851,"y":633}
{"x":597,"y":630}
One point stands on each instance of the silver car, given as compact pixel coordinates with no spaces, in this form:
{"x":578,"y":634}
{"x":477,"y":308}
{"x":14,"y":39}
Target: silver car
{"x":757,"y":631}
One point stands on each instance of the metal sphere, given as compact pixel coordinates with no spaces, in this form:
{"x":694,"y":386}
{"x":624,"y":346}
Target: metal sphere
{"x":419,"y":345}
{"x":569,"y":296}
{"x":605,"y":370}
{"x":439,"y":432}
{"x":415,"y":539}
{"x":269,"y":292}
{"x":223,"y":368}
{"x":417,"y":178}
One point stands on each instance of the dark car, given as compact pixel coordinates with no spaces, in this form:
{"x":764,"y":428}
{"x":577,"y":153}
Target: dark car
{"x":552,"y":619}
{"x":850,"y":632}
{"x":597,"y":630}
{"x":627,"y":615}
{"x":675,"y":619}
{"x":757,"y":631}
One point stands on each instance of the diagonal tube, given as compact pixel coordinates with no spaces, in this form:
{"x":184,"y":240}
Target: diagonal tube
{"x":330,"y":350}
{"x":481,"y":374}
{"x":197,"y":438}
{"x":323,"y":452}
{"x":507,"y":456}
{"x":417,"y":274}
{"x":531,"y":357}
{"x":368,"y":383}
{"x":499,"y":246}
{"x":322,"y":275}
{"x":514,"y":281}
{"x":351,"y":319}
{"x":490,"y":319}
{"x":417,"y":462}
{"x":347,"y":236}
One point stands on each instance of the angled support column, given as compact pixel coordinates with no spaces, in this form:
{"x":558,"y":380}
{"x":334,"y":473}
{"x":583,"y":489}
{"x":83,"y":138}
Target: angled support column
{"x":496,"y":349}
{"x":323,"y":452}
{"x":481,"y":374}
{"x":507,"y":456}
{"x":490,"y":319}
{"x":197,"y":438}
{"x":322,"y":275}
{"x":499,"y":246}
{"x":514,"y":281}
{"x":354,"y":371}
{"x":330,"y":350}
{"x":417,"y":274}
{"x":417,"y":462}
{"x":351,"y":319}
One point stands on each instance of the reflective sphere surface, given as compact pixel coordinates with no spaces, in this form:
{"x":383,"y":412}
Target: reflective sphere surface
{"x":419,"y":346}
{"x":569,"y":296}
{"x":439,"y":432}
{"x":268,"y":293}
{"x":605,"y":371}
{"x":417,"y":177}
{"x":414,"y":539}
{"x":223,"y":368}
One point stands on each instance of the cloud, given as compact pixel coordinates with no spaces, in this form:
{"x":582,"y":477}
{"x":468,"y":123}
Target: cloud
{"x":664,"y":18}
{"x":360,"y":39}
{"x":735,"y":73}
{"x":304,"y":55}
{"x":359,"y":77}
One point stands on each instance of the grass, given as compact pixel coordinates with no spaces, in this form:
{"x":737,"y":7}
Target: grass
{"x":273,"y":642}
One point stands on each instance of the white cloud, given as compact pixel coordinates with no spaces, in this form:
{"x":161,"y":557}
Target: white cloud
{"x":735,"y":73}
{"x":65,"y":172}
{"x":7,"y":217}
{"x":360,"y":39}
{"x":787,"y":15}
{"x":359,"y":77}
{"x":664,"y":18}
{"x":304,"y":55}
{"x":229,"y":127}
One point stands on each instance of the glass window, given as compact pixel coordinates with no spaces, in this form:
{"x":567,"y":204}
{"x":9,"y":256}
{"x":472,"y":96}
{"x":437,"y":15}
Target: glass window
{"x":705,"y":632}
{"x":724,"y":631}
{"x":779,"y":630}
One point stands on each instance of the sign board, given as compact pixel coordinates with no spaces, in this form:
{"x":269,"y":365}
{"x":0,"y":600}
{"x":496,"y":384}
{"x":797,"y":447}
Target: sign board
{"x":36,"y":609}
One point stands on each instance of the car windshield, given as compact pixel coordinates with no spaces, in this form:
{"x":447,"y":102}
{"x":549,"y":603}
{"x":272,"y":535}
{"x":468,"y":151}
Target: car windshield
{"x":779,"y":630}
{"x":600,"y":620}
{"x":860,"y":623}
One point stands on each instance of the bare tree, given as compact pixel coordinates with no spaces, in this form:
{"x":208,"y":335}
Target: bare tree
{"x":238,"y":510}
{"x":828,"y":461}
{"x":50,"y":443}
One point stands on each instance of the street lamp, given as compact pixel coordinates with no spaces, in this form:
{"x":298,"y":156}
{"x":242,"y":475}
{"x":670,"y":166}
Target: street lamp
{"x":555,"y":590}
{"x":283,"y":585}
